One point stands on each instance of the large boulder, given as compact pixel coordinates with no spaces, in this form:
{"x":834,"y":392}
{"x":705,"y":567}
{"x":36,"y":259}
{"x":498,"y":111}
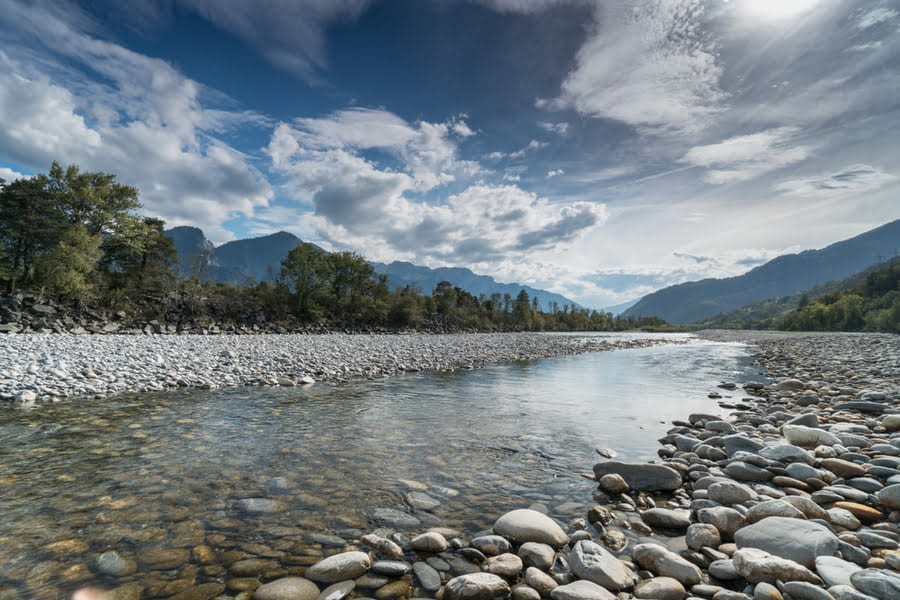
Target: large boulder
{"x":641,"y":477}
{"x":526,"y":525}
{"x":794,"y":539}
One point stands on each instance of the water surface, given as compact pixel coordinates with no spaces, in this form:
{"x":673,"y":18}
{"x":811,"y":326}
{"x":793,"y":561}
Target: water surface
{"x":175,"y":470}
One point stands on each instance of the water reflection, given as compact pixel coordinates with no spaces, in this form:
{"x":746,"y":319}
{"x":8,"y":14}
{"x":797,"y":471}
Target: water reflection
{"x":281,"y":468}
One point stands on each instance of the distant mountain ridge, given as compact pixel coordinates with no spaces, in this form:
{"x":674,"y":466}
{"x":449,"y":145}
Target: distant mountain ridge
{"x":694,"y":301}
{"x":259,"y":259}
{"x":401,"y":274}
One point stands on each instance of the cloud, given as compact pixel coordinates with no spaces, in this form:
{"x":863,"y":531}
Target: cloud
{"x":290,"y":35}
{"x":524,"y":6}
{"x":378,"y":207}
{"x":555,"y":173}
{"x":849,"y":180}
{"x":9,"y":175}
{"x":145,"y":122}
{"x":561,"y":128}
{"x":745,"y":157}
{"x":875,"y":16}
{"x":649,"y":66}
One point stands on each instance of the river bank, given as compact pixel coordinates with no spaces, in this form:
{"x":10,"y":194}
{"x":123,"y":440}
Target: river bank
{"x":49,"y":367}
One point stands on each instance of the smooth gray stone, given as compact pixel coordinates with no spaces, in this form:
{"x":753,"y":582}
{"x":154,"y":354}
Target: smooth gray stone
{"x":537,"y":555}
{"x":854,"y":554}
{"x":794,"y":539}
{"x":757,"y":565}
{"x":391,"y":568}
{"x":738,"y":443}
{"x":524,"y":525}
{"x":866,"y":484}
{"x":880,"y":583}
{"x":803,"y":471}
{"x":889,"y":497}
{"x":875,"y":408}
{"x":293,"y":588}
{"x":726,"y":520}
{"x":835,"y":571}
{"x":339,"y":567}
{"x":746,"y":472}
{"x":491,"y":545}
{"x":730,"y":492}
{"x":581,"y":590}
{"x":846,"y":592}
{"x":662,"y":561}
{"x":801,"y":590}
{"x":641,"y":477}
{"x":723,"y":570}
{"x":593,"y":562}
{"x":337,"y":591}
{"x":872,"y":540}
{"x":786,"y":453}
{"x":476,"y":586}
{"x":666,"y":518}
{"x":428,"y":577}
{"x":806,"y":419}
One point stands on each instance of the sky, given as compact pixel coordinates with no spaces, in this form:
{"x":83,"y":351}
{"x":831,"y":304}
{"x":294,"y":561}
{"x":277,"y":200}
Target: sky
{"x":598,"y":149}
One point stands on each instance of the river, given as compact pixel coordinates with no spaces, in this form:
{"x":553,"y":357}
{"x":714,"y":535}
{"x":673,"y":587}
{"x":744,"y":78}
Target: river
{"x":298,"y":470}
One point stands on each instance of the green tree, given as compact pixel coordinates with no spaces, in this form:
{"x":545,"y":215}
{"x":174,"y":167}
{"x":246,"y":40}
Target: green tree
{"x":67,"y":271}
{"x":307,"y":272}
{"x":94,"y":199}
{"x":522,"y":311}
{"x":30,"y":224}
{"x":141,"y":259}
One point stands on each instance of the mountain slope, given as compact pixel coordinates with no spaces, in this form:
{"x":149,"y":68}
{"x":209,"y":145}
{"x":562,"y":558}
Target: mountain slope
{"x":765,"y":314}
{"x":401,"y":274}
{"x":259,"y":259}
{"x":696,"y":300}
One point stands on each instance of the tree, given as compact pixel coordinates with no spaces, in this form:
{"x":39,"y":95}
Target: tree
{"x":30,"y":224}
{"x":308,"y":274}
{"x":522,"y":310}
{"x":357,"y":293}
{"x":67,"y":270}
{"x":93,"y":199}
{"x":141,"y":259}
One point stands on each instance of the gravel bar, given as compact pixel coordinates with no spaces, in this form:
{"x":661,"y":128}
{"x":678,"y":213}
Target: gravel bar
{"x":48,"y":367}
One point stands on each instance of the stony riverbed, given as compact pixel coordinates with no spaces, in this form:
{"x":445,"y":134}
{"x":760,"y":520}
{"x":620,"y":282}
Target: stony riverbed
{"x":40,"y":367}
{"x":794,"y":495}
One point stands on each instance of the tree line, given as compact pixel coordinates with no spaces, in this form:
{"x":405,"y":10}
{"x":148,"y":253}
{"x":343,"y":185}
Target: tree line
{"x":78,"y":238}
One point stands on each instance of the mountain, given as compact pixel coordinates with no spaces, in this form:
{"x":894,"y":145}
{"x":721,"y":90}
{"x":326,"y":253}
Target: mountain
{"x":766,"y":314}
{"x":402,"y":274}
{"x":697,"y":300}
{"x":259,"y":259}
{"x":618,"y":309}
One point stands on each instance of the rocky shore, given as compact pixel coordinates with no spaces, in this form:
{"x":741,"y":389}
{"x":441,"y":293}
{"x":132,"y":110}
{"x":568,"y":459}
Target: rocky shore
{"x":49,"y":367}
{"x":795,"y":495}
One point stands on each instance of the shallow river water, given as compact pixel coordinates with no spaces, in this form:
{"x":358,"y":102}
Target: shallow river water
{"x":288,"y":471}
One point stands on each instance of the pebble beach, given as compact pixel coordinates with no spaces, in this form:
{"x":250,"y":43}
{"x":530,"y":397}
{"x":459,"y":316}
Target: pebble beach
{"x":49,"y":367}
{"x":791,"y":492}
